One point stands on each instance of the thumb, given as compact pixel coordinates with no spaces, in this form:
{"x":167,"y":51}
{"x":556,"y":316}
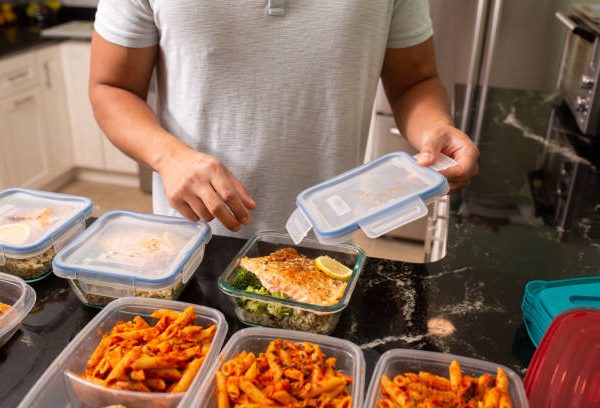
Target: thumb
{"x":429,"y":152}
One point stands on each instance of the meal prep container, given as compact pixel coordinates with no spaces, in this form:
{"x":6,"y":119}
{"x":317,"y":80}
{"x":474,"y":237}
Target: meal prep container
{"x":350,"y":361}
{"x":303,"y":316}
{"x":42,"y":223}
{"x":21,"y":298}
{"x":564,"y":370}
{"x":400,"y":361}
{"x":60,"y":386}
{"x":132,"y":254}
{"x":377,"y":197}
{"x":544,"y":300}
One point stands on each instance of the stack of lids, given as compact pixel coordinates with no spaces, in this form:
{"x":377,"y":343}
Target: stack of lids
{"x":544,"y":300}
{"x":565,"y":369}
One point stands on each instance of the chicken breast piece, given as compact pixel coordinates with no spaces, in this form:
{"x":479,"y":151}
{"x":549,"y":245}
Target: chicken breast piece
{"x":286,"y":271}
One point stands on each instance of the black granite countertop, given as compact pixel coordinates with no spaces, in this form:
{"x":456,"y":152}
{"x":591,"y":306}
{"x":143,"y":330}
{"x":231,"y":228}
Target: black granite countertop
{"x":468,"y":303}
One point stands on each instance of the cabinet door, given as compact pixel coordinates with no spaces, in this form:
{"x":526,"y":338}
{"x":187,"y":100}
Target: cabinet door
{"x":116,"y":160}
{"x":58,"y":134}
{"x":87,"y":144}
{"x":23,"y":153}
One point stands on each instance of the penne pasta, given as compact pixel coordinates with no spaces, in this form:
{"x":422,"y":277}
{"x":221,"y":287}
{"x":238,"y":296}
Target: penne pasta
{"x":460,"y":391}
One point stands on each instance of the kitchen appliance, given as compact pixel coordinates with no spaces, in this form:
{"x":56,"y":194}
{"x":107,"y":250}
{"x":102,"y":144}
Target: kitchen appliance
{"x":579,"y":71}
{"x":566,"y":184}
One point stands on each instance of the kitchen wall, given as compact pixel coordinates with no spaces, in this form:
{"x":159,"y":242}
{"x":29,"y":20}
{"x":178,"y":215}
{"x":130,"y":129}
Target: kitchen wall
{"x":72,"y":3}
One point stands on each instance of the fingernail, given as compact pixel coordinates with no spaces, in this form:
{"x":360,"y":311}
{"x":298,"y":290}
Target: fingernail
{"x":425,"y":157}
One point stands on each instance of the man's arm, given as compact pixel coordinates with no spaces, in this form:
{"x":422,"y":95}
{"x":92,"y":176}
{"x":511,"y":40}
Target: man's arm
{"x":422,"y":111}
{"x":196,"y":184}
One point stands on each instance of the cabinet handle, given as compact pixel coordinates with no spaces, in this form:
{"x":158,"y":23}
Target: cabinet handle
{"x":18,"y":76}
{"x":48,"y":77}
{"x":22,"y":101}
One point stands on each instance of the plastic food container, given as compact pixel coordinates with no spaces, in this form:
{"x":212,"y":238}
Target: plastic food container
{"x":564,"y":371}
{"x":377,"y":197}
{"x":544,"y":300}
{"x":20,"y":297}
{"x":132,"y":254}
{"x":60,"y":386}
{"x":350,"y":361}
{"x":34,"y":225}
{"x":287,"y":313}
{"x":400,"y":361}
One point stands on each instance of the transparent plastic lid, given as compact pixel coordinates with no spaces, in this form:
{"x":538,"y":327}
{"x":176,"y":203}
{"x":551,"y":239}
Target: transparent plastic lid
{"x":30,"y":220}
{"x":131,"y":247}
{"x":378,"y":197}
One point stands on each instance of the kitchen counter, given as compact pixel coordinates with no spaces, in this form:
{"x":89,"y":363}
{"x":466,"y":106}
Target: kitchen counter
{"x":468,"y":303}
{"x":15,"y":39}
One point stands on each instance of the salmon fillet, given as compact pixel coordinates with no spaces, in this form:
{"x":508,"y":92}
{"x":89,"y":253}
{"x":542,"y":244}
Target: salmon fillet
{"x":286,"y":271}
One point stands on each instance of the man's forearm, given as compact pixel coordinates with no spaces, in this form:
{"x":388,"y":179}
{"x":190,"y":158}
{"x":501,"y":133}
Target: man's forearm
{"x":421,"y":107}
{"x":132,"y":126}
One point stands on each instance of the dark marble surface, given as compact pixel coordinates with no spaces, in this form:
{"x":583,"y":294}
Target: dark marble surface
{"x":468,"y":303}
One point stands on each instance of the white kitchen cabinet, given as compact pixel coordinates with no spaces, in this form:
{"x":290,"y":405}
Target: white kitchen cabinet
{"x":87,"y":144}
{"x":58,"y":129}
{"x":90,"y":146}
{"x":23,"y":158}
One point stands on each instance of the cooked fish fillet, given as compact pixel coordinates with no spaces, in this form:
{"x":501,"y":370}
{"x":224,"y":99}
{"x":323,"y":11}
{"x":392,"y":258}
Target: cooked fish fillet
{"x":296,"y":276}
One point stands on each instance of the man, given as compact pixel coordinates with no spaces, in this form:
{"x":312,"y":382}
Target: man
{"x":259,"y":99}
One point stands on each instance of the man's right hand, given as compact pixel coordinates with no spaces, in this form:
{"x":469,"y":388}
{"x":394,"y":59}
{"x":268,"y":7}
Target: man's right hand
{"x":199,"y":186}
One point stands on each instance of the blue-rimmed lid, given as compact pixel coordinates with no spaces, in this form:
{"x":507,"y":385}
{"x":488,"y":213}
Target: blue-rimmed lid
{"x":31,"y":221}
{"x":132,"y":248}
{"x":378,"y":197}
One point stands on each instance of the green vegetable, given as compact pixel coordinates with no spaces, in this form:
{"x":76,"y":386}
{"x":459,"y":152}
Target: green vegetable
{"x":264,"y":308}
{"x":244,"y":279}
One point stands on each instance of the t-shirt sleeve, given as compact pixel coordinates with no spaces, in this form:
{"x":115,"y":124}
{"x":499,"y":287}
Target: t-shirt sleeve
{"x":128,"y":23}
{"x":410,"y":25}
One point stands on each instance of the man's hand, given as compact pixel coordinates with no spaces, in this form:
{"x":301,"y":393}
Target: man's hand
{"x":200,"y":187}
{"x":455,"y":144}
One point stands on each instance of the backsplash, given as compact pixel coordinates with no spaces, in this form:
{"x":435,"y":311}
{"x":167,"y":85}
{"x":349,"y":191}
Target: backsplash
{"x":71,"y":3}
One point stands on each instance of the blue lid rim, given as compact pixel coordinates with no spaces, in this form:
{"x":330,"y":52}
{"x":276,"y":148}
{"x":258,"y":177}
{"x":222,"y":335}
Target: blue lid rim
{"x":47,"y":240}
{"x":59,"y":265}
{"x":351,"y":173}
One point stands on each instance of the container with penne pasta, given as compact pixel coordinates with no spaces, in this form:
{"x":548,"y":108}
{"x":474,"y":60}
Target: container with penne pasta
{"x":273,"y":283}
{"x":407,"y":378}
{"x":261,"y":367}
{"x":136,"y":353}
{"x":132,"y":254}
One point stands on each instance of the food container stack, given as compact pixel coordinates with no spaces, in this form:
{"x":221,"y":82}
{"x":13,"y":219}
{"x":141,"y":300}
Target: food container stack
{"x":16,"y":301}
{"x":544,"y":300}
{"x":87,"y":374}
{"x":273,"y":283}
{"x":132,"y":254}
{"x":349,"y":364}
{"x":377,"y":197}
{"x":34,"y":225}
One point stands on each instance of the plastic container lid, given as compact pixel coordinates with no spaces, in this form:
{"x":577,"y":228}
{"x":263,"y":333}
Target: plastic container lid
{"x":400,"y":361}
{"x":31,"y":221}
{"x":378,"y":197}
{"x":59,"y":386}
{"x":133,"y":249}
{"x":350,"y":361}
{"x":565,"y":369}
{"x":20,"y":297}
{"x":544,"y":300}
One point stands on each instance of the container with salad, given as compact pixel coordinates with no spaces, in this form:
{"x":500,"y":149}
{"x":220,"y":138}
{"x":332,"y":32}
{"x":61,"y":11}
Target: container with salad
{"x":132,"y":254}
{"x":34,"y":225}
{"x":272,"y":283}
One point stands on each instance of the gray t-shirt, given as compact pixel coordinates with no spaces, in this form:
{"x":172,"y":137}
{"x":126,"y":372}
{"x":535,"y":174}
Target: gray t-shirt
{"x":283,"y":101}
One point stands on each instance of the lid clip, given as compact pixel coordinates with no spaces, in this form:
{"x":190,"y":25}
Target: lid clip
{"x":442,"y":163}
{"x":298,"y":226}
{"x":378,"y":226}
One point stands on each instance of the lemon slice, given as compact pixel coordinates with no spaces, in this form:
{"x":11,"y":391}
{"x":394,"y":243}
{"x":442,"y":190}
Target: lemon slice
{"x":333,"y":268}
{"x":14,"y":234}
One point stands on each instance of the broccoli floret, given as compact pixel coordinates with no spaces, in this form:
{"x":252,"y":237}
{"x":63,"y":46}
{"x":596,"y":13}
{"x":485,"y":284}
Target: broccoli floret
{"x":244,"y":279}
{"x":277,"y":309}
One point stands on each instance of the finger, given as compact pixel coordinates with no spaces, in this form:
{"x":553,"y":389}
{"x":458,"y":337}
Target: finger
{"x":467,"y":158}
{"x":430,"y":151}
{"x":184,"y":209}
{"x":249,"y":203}
{"x":229,"y":194}
{"x":218,"y":208}
{"x":199,"y":208}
